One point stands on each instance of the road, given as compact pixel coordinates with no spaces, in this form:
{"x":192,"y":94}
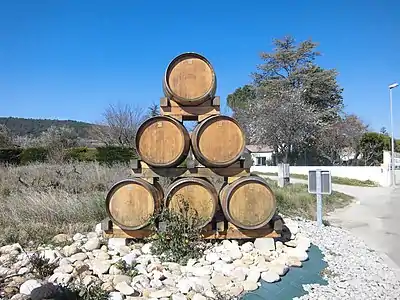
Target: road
{"x":374,"y":217}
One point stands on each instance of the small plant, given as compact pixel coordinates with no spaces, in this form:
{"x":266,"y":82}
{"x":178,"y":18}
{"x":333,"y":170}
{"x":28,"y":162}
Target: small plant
{"x":41,"y":266}
{"x":90,"y":292}
{"x":127,"y":269}
{"x":178,"y":238}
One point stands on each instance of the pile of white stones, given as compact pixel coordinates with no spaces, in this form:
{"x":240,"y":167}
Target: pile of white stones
{"x":226,"y":268}
{"x":354,"y":270}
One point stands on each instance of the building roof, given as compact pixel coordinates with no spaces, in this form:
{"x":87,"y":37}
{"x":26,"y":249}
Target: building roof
{"x":259,"y":148}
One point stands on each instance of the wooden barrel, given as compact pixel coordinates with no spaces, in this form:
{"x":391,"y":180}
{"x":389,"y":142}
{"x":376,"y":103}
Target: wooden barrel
{"x":200,"y":196}
{"x":131,"y":203}
{"x":190,"y":79}
{"x":162,"y":141}
{"x":218,"y":141}
{"x":248,"y":202}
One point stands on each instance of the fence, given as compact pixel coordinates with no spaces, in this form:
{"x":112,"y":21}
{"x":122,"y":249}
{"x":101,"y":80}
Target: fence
{"x":379,"y":174}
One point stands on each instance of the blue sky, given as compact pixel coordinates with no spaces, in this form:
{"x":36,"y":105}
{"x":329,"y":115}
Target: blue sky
{"x":70,"y":59}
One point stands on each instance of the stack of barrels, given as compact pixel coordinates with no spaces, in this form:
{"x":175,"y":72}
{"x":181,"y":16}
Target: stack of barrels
{"x":216,"y":142}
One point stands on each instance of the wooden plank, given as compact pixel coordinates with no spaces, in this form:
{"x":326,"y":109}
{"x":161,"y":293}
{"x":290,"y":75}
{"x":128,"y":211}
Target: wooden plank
{"x":195,"y":172}
{"x":164,"y":102}
{"x":209,"y":103}
{"x":228,"y":232}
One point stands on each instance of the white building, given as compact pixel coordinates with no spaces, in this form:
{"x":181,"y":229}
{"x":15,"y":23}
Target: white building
{"x":261,"y":154}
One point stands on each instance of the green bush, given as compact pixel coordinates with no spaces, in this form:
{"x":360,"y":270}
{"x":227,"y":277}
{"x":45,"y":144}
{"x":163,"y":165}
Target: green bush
{"x":81,"y":154}
{"x":111,"y":155}
{"x":30,"y":155}
{"x":10,"y":156}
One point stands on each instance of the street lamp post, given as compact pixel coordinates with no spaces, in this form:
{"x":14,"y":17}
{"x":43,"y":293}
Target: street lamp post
{"x":392,"y":86}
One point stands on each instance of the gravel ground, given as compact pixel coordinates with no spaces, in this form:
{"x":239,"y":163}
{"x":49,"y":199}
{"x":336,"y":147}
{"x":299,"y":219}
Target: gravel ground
{"x":354,"y":271}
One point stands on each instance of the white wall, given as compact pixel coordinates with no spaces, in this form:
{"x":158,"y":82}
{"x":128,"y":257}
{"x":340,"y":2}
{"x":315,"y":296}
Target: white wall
{"x":380,"y":175}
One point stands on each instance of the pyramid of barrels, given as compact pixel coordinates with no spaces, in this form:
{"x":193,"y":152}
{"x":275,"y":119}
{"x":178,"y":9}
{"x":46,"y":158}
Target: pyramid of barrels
{"x":244,"y":202}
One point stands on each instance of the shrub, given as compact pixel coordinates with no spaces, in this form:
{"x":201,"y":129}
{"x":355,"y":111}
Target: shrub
{"x":81,"y":154}
{"x":30,"y":155}
{"x":110,"y":155}
{"x":42,"y":266}
{"x":178,"y":236}
{"x":10,"y":155}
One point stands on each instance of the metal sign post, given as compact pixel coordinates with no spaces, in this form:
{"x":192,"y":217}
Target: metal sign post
{"x":319,"y":183}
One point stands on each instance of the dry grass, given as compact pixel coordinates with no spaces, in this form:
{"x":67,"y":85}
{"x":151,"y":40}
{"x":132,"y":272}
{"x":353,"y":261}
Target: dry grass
{"x":294,"y":200}
{"x":42,"y":200}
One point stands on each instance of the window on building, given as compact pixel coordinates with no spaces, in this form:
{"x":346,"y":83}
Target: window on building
{"x":261,"y":161}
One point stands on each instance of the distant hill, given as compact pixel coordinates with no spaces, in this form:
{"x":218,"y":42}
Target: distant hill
{"x":34,"y":127}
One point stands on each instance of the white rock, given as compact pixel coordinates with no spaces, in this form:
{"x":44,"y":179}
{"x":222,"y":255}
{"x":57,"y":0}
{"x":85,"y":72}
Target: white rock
{"x":64,"y":269}
{"x":81,"y":256}
{"x":247,"y":247}
{"x":101,"y":266}
{"x":98,"y":229}
{"x":91,"y":235}
{"x":184,"y":285}
{"x":198,"y":297}
{"x":270,"y":276}
{"x":178,"y":297}
{"x":202,"y":271}
{"x":70,"y":250}
{"x":264,"y":245}
{"x":88,"y":279}
{"x":156,"y":283}
{"x":103,"y":255}
{"x":115,"y":296}
{"x":29,"y":285}
{"x":121,"y":278}
{"x":279,"y":269}
{"x":78,"y":237}
{"x":124,"y":288}
{"x":300,"y":254}
{"x":146,"y":249}
{"x":253,"y":276}
{"x":114,"y":243}
{"x":22,"y":271}
{"x":303,"y":242}
{"x":249,"y":285}
{"x":50,"y":255}
{"x":129,"y":258}
{"x":293,"y":226}
{"x":212,"y":257}
{"x":114,"y":270}
{"x":226,"y":258}
{"x":4,"y":271}
{"x":220,"y":281}
{"x":164,"y":293}
{"x":92,"y":244}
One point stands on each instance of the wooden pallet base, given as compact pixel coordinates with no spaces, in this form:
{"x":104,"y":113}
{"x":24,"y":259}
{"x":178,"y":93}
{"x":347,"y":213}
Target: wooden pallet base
{"x":219,"y":232}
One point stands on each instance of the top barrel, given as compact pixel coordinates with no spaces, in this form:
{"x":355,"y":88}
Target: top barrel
{"x":190,"y":79}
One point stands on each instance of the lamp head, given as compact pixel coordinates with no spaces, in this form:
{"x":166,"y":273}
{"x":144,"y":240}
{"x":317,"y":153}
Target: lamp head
{"x":393,"y":85}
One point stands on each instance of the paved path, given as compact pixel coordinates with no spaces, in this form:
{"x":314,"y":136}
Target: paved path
{"x":374,"y":217}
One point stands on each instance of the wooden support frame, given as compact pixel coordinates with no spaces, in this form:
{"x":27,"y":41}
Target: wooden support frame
{"x":141,"y":169}
{"x":216,"y":230}
{"x":198,"y":113}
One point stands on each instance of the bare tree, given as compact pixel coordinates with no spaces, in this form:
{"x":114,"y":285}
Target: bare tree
{"x":119,"y":125}
{"x":56,"y":140}
{"x":5,"y":137}
{"x":279,"y":117}
{"x":340,"y":139}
